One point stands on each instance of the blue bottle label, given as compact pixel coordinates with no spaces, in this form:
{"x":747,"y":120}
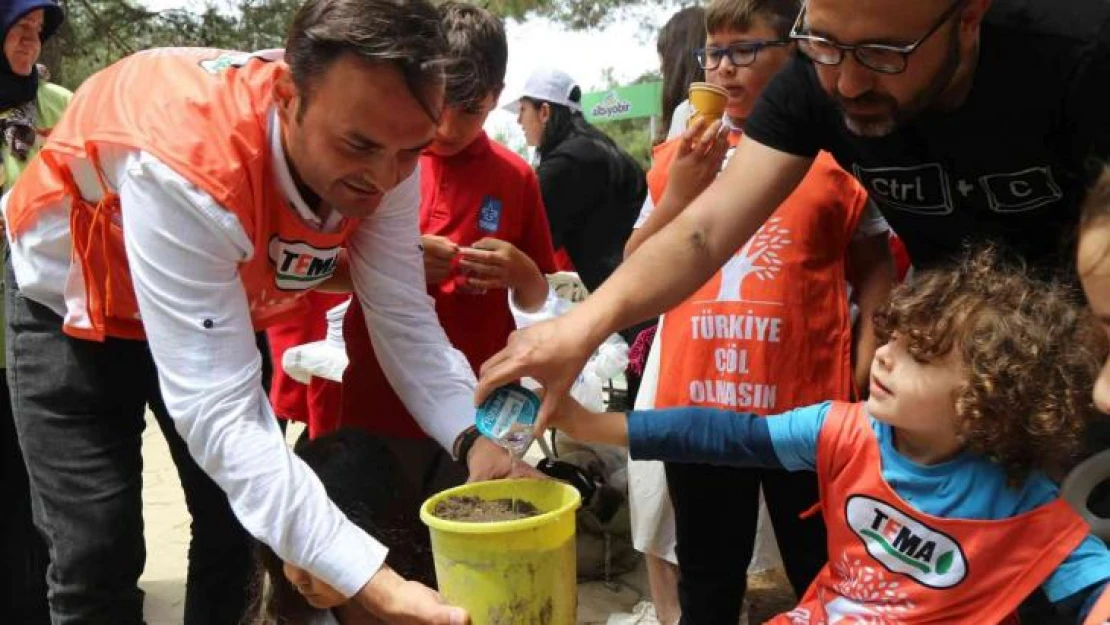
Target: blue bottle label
{"x":507,"y":416}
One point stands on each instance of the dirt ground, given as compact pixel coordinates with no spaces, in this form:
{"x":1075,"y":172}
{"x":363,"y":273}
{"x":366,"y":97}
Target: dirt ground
{"x":768,"y":594}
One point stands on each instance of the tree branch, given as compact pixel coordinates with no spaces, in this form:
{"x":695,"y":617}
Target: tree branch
{"x":95,"y":17}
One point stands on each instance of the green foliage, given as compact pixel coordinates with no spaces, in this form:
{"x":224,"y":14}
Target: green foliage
{"x":99,"y":32}
{"x":633,"y":135}
{"x":574,"y":14}
{"x":503,"y":137}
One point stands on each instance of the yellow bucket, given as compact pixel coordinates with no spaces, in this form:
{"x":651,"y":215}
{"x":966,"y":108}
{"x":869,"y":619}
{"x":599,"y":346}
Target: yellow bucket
{"x":520,"y":572}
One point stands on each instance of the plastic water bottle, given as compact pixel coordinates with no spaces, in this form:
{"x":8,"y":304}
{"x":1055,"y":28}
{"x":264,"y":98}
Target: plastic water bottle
{"x":609,"y":361}
{"x":507,"y":417}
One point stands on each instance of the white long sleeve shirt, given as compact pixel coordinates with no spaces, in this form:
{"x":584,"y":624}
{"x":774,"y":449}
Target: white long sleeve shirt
{"x":184,"y":252}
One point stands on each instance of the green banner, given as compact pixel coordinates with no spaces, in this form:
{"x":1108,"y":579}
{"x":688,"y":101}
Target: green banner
{"x":631,"y":102}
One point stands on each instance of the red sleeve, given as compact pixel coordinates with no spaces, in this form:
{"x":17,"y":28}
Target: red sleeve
{"x":536,"y":236}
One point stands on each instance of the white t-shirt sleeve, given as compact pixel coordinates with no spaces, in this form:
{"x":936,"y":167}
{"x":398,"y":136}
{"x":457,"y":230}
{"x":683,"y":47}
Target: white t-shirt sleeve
{"x":433,"y":379}
{"x":645,"y":211}
{"x":184,"y":252}
{"x":679,"y":118}
{"x":871,"y":223}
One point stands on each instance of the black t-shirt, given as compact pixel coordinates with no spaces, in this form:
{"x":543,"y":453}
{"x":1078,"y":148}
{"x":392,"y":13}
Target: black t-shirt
{"x":1011,"y":165}
{"x":593,"y":192}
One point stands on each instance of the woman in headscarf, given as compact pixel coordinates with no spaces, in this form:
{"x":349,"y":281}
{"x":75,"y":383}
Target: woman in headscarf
{"x":29,"y":108}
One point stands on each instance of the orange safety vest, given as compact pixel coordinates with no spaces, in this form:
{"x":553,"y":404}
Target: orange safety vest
{"x":206,"y":116}
{"x":890,"y":564}
{"x":771,"y":330}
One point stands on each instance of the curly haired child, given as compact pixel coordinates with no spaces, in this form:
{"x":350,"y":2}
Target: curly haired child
{"x":1094,"y":273}
{"x":935,"y":491}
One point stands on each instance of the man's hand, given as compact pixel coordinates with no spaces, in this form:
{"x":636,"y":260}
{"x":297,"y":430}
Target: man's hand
{"x":699,"y":160}
{"x":398,"y":601}
{"x":551,"y":352}
{"x":488,"y":461}
{"x":439,"y":252}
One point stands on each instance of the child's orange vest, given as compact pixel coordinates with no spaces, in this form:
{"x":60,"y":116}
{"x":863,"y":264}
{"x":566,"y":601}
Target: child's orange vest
{"x":889,"y":563}
{"x":206,"y":115}
{"x":771,"y":330}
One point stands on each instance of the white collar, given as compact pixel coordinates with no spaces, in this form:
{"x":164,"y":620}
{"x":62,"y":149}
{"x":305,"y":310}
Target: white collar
{"x":289,"y":187}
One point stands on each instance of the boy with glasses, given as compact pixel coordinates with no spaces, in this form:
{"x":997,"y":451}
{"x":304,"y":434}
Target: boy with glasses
{"x":794,"y":273}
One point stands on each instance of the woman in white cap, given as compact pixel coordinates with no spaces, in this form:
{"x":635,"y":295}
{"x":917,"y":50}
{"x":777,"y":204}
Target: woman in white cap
{"x":591,"y":188}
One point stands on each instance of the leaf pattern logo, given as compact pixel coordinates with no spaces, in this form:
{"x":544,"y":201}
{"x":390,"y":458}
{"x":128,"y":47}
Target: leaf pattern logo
{"x":761,"y":256}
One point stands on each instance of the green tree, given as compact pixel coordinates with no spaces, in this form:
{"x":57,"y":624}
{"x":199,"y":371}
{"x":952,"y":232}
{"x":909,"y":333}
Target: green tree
{"x":503,"y":137}
{"x":632,"y":135}
{"x":99,"y":32}
{"x":578,"y":14}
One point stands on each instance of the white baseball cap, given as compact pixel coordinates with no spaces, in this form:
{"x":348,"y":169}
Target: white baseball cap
{"x":550,"y":85}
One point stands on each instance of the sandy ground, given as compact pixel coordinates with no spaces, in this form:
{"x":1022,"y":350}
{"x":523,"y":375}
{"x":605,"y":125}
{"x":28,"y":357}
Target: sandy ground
{"x":167,"y":536}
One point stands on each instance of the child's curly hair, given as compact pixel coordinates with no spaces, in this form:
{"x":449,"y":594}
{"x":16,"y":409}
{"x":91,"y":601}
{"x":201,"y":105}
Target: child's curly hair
{"x":1031,"y":352}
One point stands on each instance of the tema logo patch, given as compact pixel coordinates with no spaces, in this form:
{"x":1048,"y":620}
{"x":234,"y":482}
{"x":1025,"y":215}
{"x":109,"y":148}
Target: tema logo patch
{"x":224,"y":61}
{"x":905,"y":545}
{"x":299,"y":266}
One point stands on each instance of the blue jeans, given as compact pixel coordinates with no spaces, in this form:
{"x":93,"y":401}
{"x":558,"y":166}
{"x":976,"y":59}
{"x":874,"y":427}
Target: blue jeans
{"x":79,"y":414}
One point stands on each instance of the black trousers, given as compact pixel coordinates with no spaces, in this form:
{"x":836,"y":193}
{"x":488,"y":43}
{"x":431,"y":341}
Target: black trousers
{"x":23,"y":554}
{"x":716,"y":511}
{"x":78,"y":410}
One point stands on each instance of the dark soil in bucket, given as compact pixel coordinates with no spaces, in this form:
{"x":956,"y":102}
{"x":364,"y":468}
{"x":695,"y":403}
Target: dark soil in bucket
{"x":477,"y":510}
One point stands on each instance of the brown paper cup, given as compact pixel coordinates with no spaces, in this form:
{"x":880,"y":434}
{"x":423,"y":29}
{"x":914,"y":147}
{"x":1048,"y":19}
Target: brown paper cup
{"x":707,"y":101}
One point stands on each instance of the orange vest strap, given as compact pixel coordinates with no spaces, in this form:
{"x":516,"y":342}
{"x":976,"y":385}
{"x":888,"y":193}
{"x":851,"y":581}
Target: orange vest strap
{"x":811,"y":511}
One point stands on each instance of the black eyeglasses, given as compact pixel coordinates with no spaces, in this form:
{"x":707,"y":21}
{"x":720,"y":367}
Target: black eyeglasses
{"x":739,"y":54}
{"x":882,"y":58}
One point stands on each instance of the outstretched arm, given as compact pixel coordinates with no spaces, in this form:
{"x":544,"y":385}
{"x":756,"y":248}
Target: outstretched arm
{"x":666,"y":269}
{"x":702,"y":435}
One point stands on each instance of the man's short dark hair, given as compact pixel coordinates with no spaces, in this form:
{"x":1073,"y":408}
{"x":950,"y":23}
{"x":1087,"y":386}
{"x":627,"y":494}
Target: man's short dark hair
{"x":402,"y":33}
{"x":741,"y":15}
{"x":478,"y":52}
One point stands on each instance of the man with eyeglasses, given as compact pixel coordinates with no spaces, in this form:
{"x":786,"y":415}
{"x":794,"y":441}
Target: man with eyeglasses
{"x":967,"y":122}
{"x":826,"y":235}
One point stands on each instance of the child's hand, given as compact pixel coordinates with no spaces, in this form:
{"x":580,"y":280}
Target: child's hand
{"x":574,"y":420}
{"x":698,"y":161}
{"x":571,"y":418}
{"x":438,"y":254}
{"x":496,"y":264}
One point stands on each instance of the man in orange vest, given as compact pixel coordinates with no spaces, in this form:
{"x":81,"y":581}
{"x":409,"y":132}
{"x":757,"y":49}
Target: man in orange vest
{"x":187,"y":198}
